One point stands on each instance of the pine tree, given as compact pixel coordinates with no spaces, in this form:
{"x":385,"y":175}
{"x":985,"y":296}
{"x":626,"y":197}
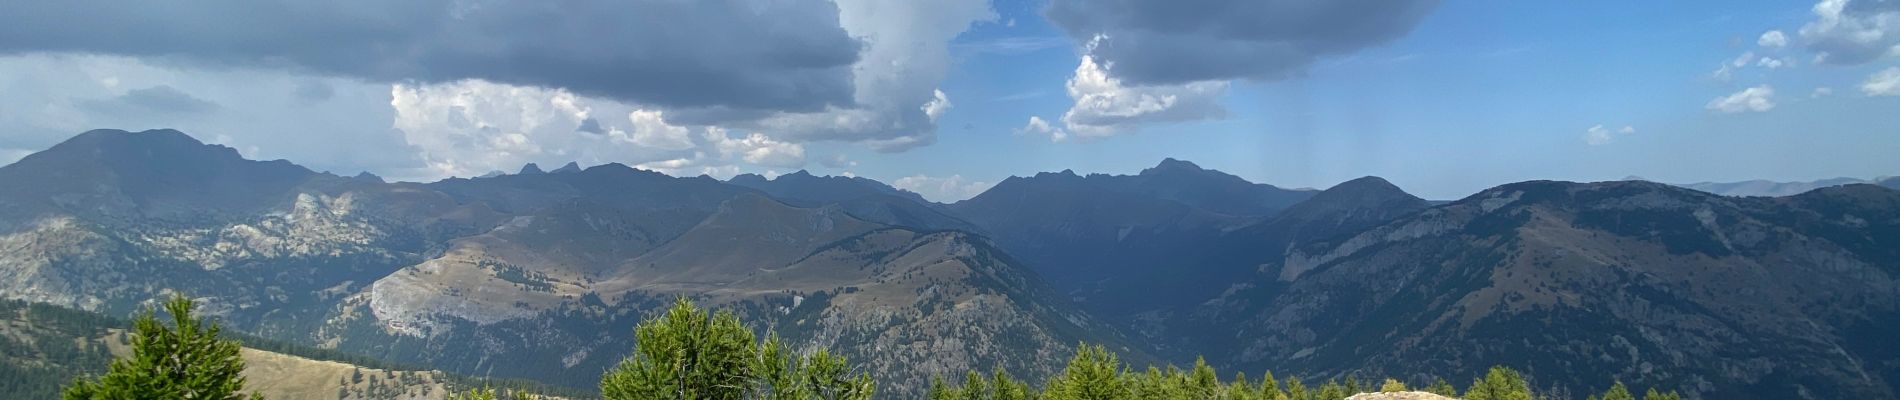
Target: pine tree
{"x":1332,"y":390}
{"x":685,"y":354}
{"x":474,"y":394}
{"x":1270,"y":388}
{"x":1094,"y":374}
{"x":1500,"y":383}
{"x":1295,"y":390}
{"x":1008,"y":388}
{"x":1618,"y":392}
{"x":1392,"y":385}
{"x":1653,"y":394}
{"x":1442,"y":388}
{"x":185,"y":361}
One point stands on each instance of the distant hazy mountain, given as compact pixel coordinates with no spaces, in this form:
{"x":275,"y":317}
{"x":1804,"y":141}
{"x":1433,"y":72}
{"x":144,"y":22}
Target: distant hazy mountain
{"x":1763,"y":188}
{"x":861,"y":197}
{"x":1239,"y":256}
{"x":1791,"y":297}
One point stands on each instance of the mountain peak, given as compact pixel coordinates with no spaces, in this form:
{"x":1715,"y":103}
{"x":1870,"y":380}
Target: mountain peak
{"x":1171,"y":164}
{"x":531,"y":169}
{"x":1368,"y":192}
{"x":571,"y":167}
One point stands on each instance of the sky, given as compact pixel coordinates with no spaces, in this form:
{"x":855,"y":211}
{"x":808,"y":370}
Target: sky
{"x":948,"y":97}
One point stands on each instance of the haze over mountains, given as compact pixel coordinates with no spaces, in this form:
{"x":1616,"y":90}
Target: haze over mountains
{"x":542,"y":274}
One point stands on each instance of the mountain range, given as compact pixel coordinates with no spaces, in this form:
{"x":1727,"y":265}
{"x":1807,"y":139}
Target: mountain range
{"x":543,"y":274}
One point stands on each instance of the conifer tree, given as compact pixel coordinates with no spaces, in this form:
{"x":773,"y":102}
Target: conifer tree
{"x":1392,"y":385}
{"x":1296,"y":390}
{"x":1094,"y":374}
{"x":1653,"y":394}
{"x":1618,"y":392}
{"x":185,"y":361}
{"x":1500,"y":383}
{"x":1442,"y":388}
{"x":685,"y":354}
{"x":1270,"y":388}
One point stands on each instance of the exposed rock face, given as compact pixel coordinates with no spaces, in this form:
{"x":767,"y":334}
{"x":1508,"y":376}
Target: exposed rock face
{"x":536,"y":275}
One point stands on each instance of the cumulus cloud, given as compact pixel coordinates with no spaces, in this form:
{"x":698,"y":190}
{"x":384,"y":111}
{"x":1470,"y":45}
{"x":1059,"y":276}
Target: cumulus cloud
{"x":1772,"y":39}
{"x":905,"y":55}
{"x":651,"y":130}
{"x":1600,"y":135}
{"x":1040,"y":127}
{"x":757,"y":149}
{"x":1169,"y":42}
{"x":776,"y":55}
{"x":1851,"y":32}
{"x":942,"y":189}
{"x":937,"y":106}
{"x":1754,"y":99}
{"x":1106,"y":107}
{"x":1883,"y":83}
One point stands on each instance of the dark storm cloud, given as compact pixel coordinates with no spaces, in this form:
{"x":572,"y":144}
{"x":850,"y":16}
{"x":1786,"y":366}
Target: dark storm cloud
{"x":786,"y":55}
{"x":162,"y":100}
{"x":1178,"y":41}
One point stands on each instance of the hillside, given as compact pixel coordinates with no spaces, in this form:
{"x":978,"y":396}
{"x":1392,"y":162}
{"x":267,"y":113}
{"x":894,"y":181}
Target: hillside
{"x":530,"y":275}
{"x":1789,"y":297}
{"x":1090,"y":233}
{"x":45,"y":347}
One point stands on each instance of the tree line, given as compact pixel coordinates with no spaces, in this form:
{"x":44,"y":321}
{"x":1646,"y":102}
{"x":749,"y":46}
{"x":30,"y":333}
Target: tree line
{"x":689,"y":353}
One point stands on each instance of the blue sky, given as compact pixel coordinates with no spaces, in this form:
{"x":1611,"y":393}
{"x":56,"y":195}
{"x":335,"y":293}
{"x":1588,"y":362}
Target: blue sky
{"x":1455,"y":97}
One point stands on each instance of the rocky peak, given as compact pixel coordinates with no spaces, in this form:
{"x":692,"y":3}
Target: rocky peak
{"x":1171,"y":165}
{"x":531,"y":169}
{"x":571,"y":167}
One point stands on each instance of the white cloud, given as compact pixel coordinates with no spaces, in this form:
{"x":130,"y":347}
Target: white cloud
{"x":1039,"y":127}
{"x":1820,"y":92}
{"x":1772,"y":39}
{"x":470,"y":127}
{"x":1883,"y":83}
{"x":1105,"y":107}
{"x":1849,"y":32}
{"x":650,"y":129}
{"x":942,"y":189}
{"x":1754,"y":99}
{"x":757,"y":148}
{"x":937,"y":106}
{"x":1600,"y":135}
{"x":1771,"y":63}
{"x":905,"y":55}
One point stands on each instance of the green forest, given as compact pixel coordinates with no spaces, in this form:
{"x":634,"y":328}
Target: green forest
{"x":690,"y":353}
